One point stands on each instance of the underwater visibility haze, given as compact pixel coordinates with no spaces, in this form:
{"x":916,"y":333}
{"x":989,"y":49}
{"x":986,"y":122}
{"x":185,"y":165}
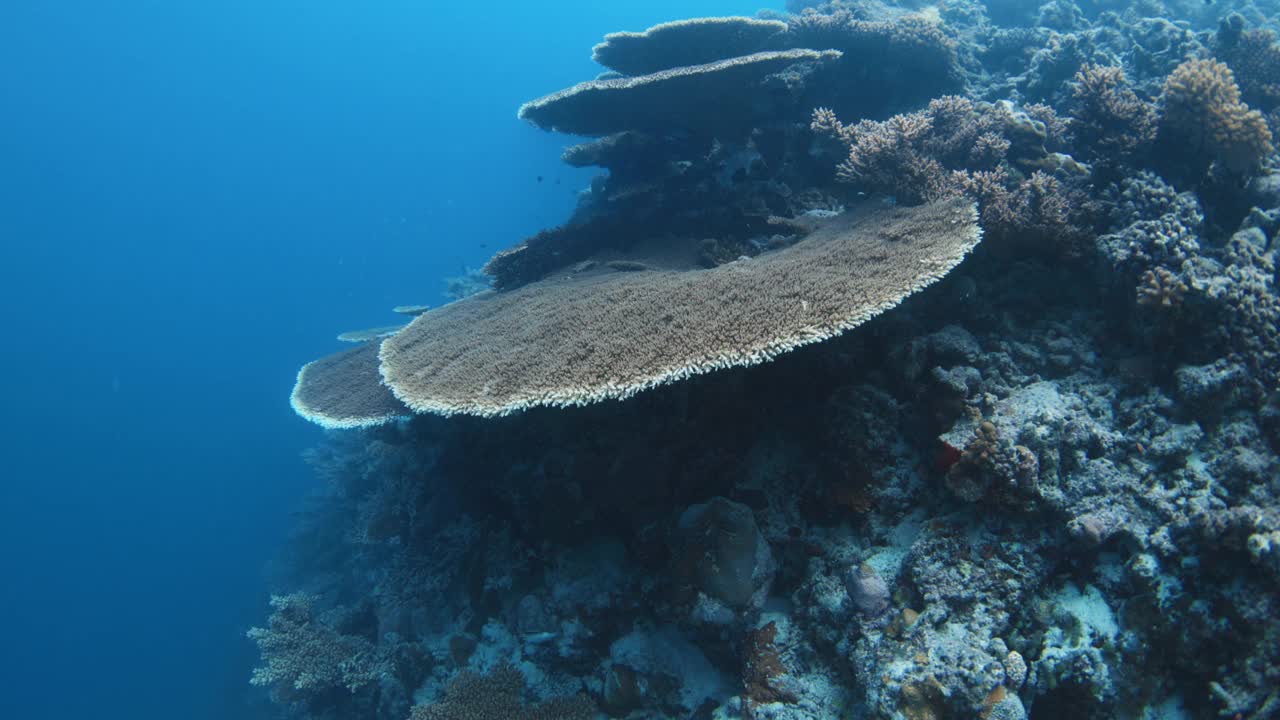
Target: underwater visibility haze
{"x":413,"y":361}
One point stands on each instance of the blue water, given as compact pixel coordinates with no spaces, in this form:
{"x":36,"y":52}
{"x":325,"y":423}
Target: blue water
{"x":194,"y":198}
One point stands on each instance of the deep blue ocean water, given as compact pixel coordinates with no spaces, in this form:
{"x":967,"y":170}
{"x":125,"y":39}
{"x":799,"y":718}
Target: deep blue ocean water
{"x":194,"y":197}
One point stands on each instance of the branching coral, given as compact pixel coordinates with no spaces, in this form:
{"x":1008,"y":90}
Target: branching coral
{"x":305,"y":655}
{"x":1203,"y":112}
{"x":958,"y":147}
{"x":1108,"y":119}
{"x":686,"y":42}
{"x":911,"y":156}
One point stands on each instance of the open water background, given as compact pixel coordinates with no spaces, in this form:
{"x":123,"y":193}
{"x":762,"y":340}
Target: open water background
{"x":195,"y":197}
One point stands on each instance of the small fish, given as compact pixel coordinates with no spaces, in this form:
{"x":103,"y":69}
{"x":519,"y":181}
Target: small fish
{"x":539,"y":178}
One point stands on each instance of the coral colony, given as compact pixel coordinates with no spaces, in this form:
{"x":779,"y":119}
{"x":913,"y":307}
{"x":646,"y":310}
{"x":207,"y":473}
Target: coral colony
{"x":903,"y":363}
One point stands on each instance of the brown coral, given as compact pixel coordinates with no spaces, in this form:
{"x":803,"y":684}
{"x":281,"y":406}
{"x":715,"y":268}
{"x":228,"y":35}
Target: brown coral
{"x":1035,"y":212}
{"x":499,"y":696}
{"x":344,"y":390}
{"x":1160,"y":288}
{"x":956,"y":147}
{"x":1108,"y":118}
{"x":686,"y":42}
{"x":302,"y":654}
{"x":1203,"y":110}
{"x":762,"y":666}
{"x":572,"y":339}
{"x":717,"y":97}
{"x":911,"y":156}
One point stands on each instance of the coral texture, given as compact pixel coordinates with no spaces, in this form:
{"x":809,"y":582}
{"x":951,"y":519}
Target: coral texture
{"x":1045,"y":486}
{"x":1108,"y":118}
{"x":682,"y":43}
{"x":344,"y":390}
{"x":499,"y":696}
{"x":1201,"y":106}
{"x":605,"y":334}
{"x":955,"y":147}
{"x":303,"y":654}
{"x":720,"y":96}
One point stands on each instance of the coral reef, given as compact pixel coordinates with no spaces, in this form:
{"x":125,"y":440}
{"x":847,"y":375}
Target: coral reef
{"x":305,"y":655}
{"x":1045,"y":485}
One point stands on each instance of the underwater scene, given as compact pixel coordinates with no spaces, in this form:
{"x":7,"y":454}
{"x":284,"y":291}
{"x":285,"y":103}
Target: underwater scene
{"x":884,"y":360}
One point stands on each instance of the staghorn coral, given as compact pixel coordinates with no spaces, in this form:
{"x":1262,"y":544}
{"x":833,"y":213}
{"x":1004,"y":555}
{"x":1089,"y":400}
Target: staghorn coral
{"x":344,"y":390}
{"x":1036,"y":212}
{"x":911,"y":156}
{"x":1202,"y":113}
{"x":595,"y":335}
{"x":306,"y":655}
{"x":1108,"y":119}
{"x":956,"y":147}
{"x":682,"y":43}
{"x":499,"y":696}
